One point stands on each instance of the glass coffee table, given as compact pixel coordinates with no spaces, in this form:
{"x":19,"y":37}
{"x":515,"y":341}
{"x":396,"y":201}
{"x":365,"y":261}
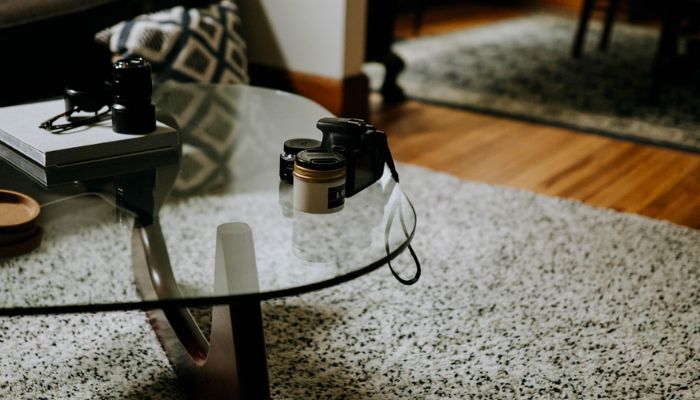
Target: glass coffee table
{"x":215,"y":229}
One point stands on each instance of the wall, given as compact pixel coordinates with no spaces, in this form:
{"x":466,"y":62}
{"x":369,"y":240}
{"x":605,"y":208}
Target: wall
{"x":316,"y":37}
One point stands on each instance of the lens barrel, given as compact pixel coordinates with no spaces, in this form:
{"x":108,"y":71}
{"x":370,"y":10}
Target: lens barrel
{"x":132,"y":110}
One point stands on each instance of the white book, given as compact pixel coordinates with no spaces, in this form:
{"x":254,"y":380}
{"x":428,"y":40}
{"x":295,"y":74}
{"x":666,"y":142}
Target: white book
{"x":19,"y":130}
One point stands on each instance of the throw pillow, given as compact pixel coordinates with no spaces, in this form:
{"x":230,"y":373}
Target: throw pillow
{"x":186,"y":45}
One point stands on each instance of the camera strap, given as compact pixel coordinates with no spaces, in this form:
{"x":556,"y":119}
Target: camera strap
{"x":51,"y":126}
{"x":388,"y":157}
{"x":387,"y":233}
{"x":414,"y":279}
{"x":91,"y":98}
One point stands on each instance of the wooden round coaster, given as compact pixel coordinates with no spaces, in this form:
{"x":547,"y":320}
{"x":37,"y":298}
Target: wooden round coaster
{"x":8,"y":238}
{"x":18,"y":212}
{"x":23,"y":247}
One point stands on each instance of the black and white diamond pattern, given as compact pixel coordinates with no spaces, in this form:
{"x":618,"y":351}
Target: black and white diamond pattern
{"x":206,"y":121}
{"x":186,"y":45}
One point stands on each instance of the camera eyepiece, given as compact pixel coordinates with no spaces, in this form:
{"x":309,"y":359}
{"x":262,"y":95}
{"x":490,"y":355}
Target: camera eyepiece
{"x":132,"y":110}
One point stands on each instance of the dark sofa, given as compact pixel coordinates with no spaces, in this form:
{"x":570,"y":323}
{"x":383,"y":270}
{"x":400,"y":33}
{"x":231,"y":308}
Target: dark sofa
{"x":47,"y":43}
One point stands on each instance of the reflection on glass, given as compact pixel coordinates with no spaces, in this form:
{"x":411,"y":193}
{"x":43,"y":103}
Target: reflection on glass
{"x":343,"y":235}
{"x":206,"y":120}
{"x":235,"y":270}
{"x":321,"y":237}
{"x":286,"y":199}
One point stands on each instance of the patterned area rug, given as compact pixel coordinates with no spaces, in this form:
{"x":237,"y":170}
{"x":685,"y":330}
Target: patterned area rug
{"x":523,"y":68}
{"x":522,"y":296}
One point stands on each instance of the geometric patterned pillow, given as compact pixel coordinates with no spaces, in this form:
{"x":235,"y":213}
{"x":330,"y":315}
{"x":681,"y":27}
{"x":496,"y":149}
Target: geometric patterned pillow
{"x":186,"y":45}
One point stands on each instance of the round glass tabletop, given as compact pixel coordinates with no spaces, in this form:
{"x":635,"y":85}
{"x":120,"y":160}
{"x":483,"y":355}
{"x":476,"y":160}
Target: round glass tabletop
{"x":222,"y":227}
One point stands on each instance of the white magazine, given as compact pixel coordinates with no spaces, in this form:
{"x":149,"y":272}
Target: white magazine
{"x":19,"y":130}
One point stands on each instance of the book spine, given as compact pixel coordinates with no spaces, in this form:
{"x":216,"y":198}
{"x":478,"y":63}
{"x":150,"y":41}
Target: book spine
{"x":28,"y":151}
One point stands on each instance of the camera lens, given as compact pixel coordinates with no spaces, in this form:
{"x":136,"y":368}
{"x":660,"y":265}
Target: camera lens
{"x":132,"y":110}
{"x":291,"y":148}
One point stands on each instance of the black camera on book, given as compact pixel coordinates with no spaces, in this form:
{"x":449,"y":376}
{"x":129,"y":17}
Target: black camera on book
{"x":126,"y":96}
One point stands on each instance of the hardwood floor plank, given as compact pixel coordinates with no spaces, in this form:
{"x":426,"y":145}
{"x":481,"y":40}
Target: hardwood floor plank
{"x":644,"y":183}
{"x":444,"y":18}
{"x":560,"y":164}
{"x":493,"y":164}
{"x":680,"y":203}
{"x":597,"y":177}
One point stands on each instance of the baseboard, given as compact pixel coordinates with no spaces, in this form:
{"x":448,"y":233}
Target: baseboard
{"x":346,"y":97}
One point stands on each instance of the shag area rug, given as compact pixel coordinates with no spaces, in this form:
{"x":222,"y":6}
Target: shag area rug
{"x":522,"y":296}
{"x":523,"y":68}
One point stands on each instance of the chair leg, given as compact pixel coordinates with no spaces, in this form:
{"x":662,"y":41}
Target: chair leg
{"x":391,"y":91}
{"x":582,"y":27}
{"x":418,"y":15}
{"x":609,"y":20}
{"x":667,"y":48}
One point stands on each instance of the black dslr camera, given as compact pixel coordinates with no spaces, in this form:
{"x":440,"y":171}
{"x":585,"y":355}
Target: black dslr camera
{"x":365,"y":149}
{"x":127,"y":96}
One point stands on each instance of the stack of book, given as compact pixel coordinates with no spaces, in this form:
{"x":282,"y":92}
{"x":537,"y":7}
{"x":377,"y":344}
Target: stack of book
{"x":80,"y":154}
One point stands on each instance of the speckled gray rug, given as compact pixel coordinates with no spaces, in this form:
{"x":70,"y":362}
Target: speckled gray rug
{"x":522,"y":296}
{"x":522,"y":68}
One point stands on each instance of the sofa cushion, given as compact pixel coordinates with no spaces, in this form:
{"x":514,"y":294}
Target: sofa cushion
{"x":186,"y":45}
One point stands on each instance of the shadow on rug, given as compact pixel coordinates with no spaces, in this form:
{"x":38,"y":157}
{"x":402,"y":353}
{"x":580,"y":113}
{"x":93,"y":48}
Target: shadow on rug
{"x":523,"y":68}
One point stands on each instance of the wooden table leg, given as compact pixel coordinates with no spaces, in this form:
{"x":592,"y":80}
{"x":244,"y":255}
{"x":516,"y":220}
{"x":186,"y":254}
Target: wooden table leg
{"x":232,"y":363}
{"x":234,"y":367}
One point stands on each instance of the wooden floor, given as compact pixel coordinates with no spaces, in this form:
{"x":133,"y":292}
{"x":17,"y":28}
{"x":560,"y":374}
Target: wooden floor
{"x":600,"y":171}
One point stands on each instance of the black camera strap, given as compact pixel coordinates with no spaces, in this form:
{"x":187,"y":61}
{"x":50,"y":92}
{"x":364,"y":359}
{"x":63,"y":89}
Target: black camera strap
{"x":73,"y":122}
{"x":387,"y":233}
{"x":388,"y":158}
{"x":92,"y":97}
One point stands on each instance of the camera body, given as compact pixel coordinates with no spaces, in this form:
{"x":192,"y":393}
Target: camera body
{"x":365,"y":150}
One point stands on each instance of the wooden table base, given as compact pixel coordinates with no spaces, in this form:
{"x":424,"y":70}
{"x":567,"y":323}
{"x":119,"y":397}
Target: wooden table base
{"x":231,"y":364}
